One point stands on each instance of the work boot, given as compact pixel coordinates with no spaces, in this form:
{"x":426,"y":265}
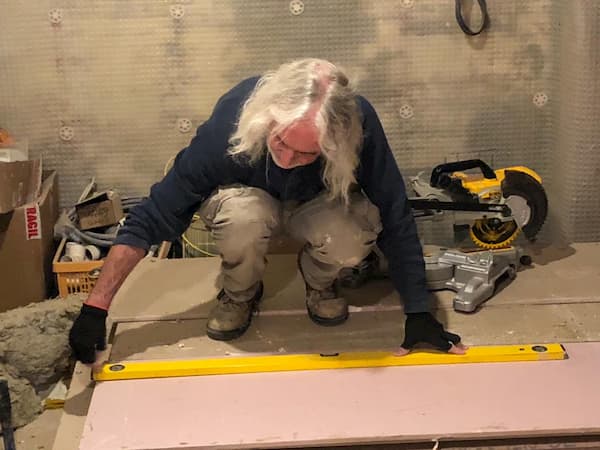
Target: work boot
{"x":368,"y":269}
{"x":326,"y":307}
{"x":230,"y":319}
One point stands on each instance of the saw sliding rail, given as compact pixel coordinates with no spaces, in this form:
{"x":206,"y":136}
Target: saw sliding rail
{"x":131,"y":370}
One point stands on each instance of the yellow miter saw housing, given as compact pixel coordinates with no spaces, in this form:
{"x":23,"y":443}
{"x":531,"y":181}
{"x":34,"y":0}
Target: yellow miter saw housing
{"x":495,"y":204}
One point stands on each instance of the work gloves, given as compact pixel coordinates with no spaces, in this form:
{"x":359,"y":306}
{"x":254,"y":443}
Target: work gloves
{"x":88,"y":333}
{"x":423,"y":327}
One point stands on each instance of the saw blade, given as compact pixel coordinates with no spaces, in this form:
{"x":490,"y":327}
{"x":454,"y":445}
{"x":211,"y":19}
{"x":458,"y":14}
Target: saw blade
{"x":493,"y":233}
{"x":520,"y":184}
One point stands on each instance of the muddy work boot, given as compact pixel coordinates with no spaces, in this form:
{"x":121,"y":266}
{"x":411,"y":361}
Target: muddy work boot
{"x":230,"y":319}
{"x":326,"y":307}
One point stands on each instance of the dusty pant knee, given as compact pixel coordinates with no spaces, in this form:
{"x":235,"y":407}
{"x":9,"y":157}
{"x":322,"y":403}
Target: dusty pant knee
{"x":345,"y":246}
{"x":241,"y":218}
{"x":336,"y":235}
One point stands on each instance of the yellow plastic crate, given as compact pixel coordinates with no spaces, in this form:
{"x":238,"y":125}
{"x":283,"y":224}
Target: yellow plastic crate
{"x":74,"y":277}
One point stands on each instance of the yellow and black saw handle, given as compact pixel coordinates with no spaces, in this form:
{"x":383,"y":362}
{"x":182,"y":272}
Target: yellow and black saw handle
{"x":441,"y":175}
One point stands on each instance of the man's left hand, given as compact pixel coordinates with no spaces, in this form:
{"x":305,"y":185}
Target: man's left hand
{"x":423,"y":327}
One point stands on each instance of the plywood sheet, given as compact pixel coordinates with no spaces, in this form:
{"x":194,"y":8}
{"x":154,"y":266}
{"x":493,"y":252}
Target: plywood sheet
{"x":393,"y":404}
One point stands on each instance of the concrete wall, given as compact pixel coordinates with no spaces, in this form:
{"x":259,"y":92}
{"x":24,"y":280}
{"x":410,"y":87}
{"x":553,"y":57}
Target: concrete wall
{"x":121,"y":76}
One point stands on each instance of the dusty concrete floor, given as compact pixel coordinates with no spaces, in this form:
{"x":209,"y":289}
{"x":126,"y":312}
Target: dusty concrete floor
{"x":569,"y":316}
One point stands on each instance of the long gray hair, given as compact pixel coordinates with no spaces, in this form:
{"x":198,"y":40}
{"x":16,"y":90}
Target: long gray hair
{"x":285,"y":95}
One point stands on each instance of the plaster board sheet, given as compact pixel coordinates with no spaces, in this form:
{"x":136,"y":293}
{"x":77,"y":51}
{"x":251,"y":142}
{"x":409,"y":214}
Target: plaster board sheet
{"x":395,"y":404}
{"x":568,"y":274}
{"x":518,"y":324}
{"x":364,"y":331}
{"x":186,"y":339}
{"x":585,"y":319}
{"x":186,"y":288}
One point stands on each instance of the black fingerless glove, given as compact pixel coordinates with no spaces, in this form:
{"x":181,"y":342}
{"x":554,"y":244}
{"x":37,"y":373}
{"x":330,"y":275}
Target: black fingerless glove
{"x":423,"y":327}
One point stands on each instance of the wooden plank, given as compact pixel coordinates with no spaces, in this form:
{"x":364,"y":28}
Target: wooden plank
{"x":75,"y":410}
{"x":319,"y":408}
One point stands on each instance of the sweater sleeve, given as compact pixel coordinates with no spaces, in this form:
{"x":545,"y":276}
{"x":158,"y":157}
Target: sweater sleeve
{"x":382,"y":182}
{"x":197,"y":170}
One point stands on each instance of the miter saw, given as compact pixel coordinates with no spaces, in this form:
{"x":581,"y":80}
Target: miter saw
{"x":496,"y":205}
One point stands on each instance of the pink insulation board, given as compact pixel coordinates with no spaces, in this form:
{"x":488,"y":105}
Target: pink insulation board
{"x":317,"y":408}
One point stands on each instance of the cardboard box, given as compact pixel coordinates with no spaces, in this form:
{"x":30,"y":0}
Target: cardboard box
{"x":26,"y":232}
{"x":100,"y":210}
{"x":20,"y":183}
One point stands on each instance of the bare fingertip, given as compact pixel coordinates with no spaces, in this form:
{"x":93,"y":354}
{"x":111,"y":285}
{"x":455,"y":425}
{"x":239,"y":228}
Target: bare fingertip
{"x":401,"y":352}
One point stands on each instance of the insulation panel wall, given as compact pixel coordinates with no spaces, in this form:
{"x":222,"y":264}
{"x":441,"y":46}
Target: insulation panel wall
{"x":113,"y":89}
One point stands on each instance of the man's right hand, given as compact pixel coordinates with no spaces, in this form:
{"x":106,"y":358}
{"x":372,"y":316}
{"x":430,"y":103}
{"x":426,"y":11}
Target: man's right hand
{"x":88,"y":333}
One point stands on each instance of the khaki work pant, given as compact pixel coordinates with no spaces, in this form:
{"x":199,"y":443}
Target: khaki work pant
{"x":243,"y":219}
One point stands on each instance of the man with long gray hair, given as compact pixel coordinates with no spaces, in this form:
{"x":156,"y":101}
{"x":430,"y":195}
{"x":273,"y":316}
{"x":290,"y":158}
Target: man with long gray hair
{"x":296,"y":150}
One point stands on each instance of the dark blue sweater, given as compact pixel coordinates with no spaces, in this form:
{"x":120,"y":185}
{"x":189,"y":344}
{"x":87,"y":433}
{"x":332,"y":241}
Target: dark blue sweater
{"x":204,"y":165}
